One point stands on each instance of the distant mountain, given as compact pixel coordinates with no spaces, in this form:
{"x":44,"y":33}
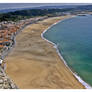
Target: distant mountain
{"x":56,"y":7}
{"x":4,"y":8}
{"x":74,"y":7}
{"x":38,"y":7}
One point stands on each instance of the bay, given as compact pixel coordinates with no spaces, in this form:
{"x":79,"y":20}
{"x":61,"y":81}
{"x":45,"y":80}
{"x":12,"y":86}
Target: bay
{"x":73,"y":37}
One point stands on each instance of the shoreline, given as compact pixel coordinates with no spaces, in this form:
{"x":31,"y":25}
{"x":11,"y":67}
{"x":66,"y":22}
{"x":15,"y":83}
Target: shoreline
{"x":5,"y":53}
{"x":86,"y":85}
{"x":16,"y":64}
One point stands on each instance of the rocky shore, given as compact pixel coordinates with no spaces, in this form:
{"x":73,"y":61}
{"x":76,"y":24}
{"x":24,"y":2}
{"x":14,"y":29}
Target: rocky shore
{"x":5,"y":81}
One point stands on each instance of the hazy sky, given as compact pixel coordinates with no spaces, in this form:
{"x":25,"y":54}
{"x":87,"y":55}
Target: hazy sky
{"x":29,"y":5}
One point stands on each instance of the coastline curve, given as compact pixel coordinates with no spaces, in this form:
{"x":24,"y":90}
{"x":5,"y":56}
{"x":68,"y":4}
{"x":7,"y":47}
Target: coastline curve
{"x":86,"y":85}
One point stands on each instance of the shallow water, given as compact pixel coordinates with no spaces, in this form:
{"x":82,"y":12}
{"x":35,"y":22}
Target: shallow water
{"x":74,"y":40}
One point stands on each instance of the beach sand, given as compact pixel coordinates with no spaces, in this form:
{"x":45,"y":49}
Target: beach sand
{"x":34,"y":63}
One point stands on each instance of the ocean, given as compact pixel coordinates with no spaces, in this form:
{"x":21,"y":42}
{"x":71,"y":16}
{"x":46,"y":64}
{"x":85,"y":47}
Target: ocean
{"x":73,"y":38}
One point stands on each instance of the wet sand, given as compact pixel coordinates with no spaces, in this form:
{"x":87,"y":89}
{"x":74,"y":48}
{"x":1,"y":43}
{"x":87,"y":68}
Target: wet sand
{"x":34,"y":63}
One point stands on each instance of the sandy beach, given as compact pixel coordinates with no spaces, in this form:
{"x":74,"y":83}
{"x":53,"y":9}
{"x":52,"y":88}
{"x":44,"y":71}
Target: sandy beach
{"x":34,"y":63}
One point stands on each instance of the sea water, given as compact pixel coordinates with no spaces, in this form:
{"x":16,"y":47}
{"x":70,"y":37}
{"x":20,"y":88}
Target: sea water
{"x":73,"y":38}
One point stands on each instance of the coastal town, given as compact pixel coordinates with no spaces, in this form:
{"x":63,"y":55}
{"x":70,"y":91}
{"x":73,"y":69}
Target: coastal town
{"x":8,"y":32}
